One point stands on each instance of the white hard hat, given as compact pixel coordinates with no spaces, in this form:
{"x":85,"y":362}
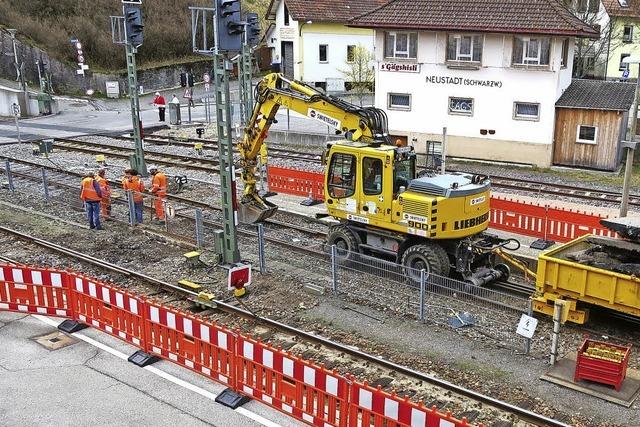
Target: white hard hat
{"x":157,"y":93}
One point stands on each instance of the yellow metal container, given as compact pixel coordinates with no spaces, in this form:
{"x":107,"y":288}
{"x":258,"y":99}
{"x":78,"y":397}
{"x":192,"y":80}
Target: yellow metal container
{"x":559,"y":277}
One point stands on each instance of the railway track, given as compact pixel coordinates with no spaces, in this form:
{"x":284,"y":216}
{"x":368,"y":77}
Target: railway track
{"x":209,"y":165}
{"x":523,"y":414}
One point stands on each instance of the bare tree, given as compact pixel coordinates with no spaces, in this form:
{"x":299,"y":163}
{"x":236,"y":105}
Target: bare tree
{"x":592,"y":55}
{"x":360,"y":72}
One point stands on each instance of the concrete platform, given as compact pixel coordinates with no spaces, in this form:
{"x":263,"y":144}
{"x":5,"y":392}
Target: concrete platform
{"x":88,"y":381}
{"x":562,"y":374}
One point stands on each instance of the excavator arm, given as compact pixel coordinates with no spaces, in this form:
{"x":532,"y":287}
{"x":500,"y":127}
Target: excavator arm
{"x":366,"y":124}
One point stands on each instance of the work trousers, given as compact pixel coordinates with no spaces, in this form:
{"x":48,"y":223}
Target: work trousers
{"x":93,"y":213}
{"x":158,"y":202}
{"x":161,"y":111}
{"x":105,"y":207}
{"x":138,"y":208}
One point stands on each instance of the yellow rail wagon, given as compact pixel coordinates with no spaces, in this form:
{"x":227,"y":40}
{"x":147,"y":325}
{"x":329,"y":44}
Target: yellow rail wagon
{"x":593,"y":270}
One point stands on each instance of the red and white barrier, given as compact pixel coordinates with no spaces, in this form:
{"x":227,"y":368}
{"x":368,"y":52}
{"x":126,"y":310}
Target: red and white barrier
{"x":297,"y":387}
{"x":515,"y":216}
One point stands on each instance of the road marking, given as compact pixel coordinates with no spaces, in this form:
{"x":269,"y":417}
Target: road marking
{"x":182,"y":383}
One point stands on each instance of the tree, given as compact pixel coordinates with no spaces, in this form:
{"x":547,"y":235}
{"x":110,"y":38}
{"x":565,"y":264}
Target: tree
{"x":591,"y":55}
{"x":360,"y":72}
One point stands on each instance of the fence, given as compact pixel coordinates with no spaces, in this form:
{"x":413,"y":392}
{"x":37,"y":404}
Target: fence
{"x":529,"y":219}
{"x":297,"y":387}
{"x":490,"y":314}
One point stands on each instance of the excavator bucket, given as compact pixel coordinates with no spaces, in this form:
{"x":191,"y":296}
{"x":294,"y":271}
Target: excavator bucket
{"x":627,"y":227}
{"x":253,"y":210}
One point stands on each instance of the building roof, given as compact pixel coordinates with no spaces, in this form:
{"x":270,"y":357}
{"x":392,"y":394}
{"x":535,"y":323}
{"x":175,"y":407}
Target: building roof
{"x":502,"y":16}
{"x":598,"y":95}
{"x":338,"y":11}
{"x":616,"y":8}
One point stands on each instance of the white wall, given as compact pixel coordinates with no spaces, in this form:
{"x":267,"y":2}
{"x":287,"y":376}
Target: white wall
{"x":493,"y":106}
{"x":313,"y":70}
{"x":9,"y":96}
{"x":277,"y":37}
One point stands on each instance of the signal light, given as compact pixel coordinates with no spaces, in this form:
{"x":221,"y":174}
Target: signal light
{"x":253,"y":29}
{"x":183,"y":79}
{"x":228,"y":25}
{"x":133,"y":25}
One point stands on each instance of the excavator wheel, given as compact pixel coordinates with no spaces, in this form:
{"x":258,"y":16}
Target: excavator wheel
{"x":345,"y":241}
{"x":423,"y":256}
{"x":444,"y":260}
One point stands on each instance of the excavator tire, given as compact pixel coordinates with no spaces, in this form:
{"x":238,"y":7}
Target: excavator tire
{"x":345,"y":241}
{"x":444,"y":259}
{"x":423,"y":256}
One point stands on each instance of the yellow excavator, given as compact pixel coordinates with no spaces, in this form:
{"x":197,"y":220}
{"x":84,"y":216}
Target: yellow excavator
{"x":436,"y":223}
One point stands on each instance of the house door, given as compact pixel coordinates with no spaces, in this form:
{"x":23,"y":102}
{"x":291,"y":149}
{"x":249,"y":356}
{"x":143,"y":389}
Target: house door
{"x":287,"y":59}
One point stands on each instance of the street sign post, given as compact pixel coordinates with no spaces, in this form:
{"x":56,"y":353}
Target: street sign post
{"x":625,"y":74}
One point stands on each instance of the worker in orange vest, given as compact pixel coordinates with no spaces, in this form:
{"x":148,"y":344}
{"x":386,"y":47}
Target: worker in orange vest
{"x":159,"y":190}
{"x":132,"y":182}
{"x":105,"y":203}
{"x":91,"y":195}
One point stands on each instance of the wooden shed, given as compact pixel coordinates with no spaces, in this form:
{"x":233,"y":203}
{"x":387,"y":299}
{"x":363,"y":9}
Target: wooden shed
{"x":592,"y":117}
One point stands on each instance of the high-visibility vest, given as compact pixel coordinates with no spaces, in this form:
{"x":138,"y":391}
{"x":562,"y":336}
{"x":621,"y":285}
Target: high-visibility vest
{"x":159,"y":184}
{"x":136,"y":185}
{"x":89,"y":193}
{"x":104,"y":186}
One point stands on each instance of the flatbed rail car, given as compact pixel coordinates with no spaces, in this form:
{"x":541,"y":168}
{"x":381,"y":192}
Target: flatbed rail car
{"x":559,"y":275}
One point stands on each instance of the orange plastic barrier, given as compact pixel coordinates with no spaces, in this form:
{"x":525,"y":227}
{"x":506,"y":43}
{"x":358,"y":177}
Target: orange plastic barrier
{"x":109,"y":309}
{"x":296,"y":387}
{"x":200,"y":346}
{"x":296,"y":182}
{"x":291,"y":385}
{"x":33,"y":290}
{"x":374,"y":407}
{"x":515,"y":216}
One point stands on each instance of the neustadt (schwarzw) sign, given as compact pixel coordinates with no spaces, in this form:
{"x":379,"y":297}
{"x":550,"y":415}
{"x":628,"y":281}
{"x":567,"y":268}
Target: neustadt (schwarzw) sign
{"x":463,"y":82}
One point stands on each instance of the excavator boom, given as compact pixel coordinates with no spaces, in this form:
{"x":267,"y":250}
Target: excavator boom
{"x":274,"y":91}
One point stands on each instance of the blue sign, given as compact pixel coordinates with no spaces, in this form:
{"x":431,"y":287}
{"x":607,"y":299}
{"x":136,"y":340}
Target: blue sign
{"x":625,"y":74}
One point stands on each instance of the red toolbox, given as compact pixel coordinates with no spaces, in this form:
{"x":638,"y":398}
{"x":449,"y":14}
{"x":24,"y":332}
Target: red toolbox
{"x":602,"y":362}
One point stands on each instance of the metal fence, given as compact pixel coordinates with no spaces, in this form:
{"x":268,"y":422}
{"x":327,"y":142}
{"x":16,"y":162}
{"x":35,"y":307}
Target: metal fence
{"x":477,"y":311}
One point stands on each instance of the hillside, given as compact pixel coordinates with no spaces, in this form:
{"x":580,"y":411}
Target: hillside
{"x":51,"y":24}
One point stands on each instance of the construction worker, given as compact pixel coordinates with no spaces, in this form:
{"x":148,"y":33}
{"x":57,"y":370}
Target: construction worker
{"x":159,"y":191}
{"x":91,"y":195}
{"x":159,"y":102}
{"x":132,"y":182}
{"x":105,"y":203}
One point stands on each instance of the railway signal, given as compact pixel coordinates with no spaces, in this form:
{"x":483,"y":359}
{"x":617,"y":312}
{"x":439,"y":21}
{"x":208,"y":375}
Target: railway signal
{"x":133,"y":25}
{"x":229,"y":28}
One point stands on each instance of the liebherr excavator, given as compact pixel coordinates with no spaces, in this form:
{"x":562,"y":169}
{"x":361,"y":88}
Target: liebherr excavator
{"x":435,"y":223}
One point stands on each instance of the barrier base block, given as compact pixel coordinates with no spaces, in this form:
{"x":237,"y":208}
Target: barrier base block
{"x":231,"y":399}
{"x":71,"y":326}
{"x":142,"y":359}
{"x":542,"y":244}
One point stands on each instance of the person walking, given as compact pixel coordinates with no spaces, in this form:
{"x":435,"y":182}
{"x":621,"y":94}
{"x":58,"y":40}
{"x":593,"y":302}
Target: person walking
{"x":105,"y":187}
{"x":159,"y":191}
{"x":159,"y":102}
{"x":132,"y":182}
{"x":91,"y":195}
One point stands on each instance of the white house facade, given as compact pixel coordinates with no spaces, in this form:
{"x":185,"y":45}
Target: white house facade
{"x":311,"y":40}
{"x":494,"y":90}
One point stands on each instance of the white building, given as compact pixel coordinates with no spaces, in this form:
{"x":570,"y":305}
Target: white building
{"x":311,"y":40}
{"x":492,"y":77}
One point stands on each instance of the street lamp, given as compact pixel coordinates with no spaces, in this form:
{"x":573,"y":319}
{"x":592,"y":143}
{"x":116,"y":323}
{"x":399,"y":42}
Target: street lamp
{"x":631,"y":144}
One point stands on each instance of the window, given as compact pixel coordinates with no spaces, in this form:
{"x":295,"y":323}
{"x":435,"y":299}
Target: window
{"x":342,"y":172}
{"x":587,"y":134}
{"x":461,"y":106}
{"x":322,"y":52}
{"x":531,"y":50}
{"x":623,"y":66}
{"x":526,"y":111}
{"x":627,"y":34}
{"x":400,"y":45}
{"x":399,"y":101}
{"x":286,"y":16}
{"x":565,"y":53}
{"x":371,"y":176}
{"x":351,"y":53}
{"x":464,"y":47}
